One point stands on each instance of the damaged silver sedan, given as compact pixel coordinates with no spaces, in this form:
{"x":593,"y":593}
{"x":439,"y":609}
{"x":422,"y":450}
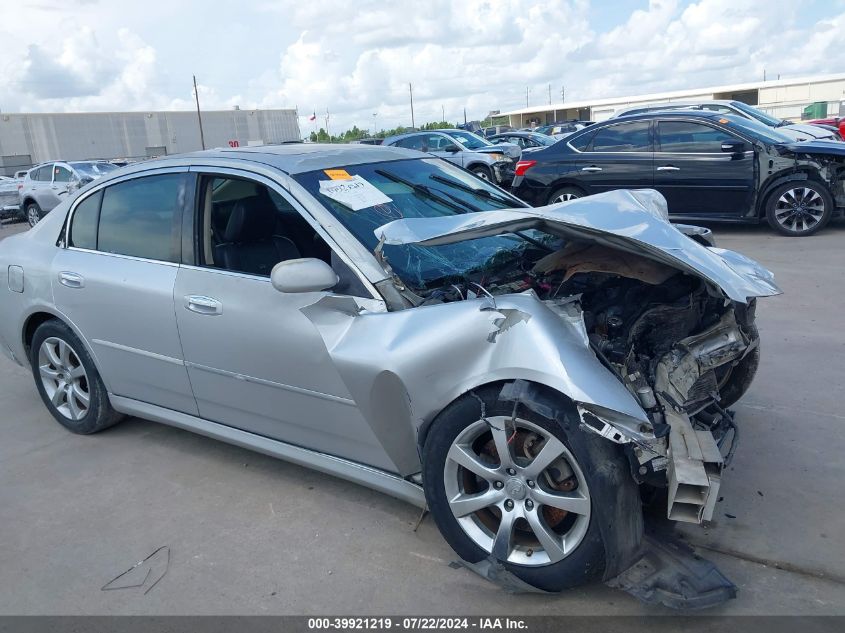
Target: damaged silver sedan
{"x":387,"y":317}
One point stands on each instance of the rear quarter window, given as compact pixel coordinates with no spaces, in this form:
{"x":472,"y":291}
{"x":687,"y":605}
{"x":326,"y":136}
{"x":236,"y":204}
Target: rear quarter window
{"x":140,"y":217}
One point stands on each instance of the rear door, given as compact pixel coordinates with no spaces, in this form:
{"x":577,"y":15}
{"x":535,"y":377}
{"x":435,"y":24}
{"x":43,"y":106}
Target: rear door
{"x":696,"y":176}
{"x":619,"y":156}
{"x":114,"y":281}
{"x":62,"y":177}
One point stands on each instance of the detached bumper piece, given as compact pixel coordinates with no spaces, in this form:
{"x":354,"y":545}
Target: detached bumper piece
{"x":671,"y":574}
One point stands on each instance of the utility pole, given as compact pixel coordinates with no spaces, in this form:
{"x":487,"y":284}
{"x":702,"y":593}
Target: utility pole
{"x":465,"y":115}
{"x":375,"y":128}
{"x":199,"y":116}
{"x":411,"y":91}
{"x":527,"y":92}
{"x":327,"y":125}
{"x":550,"y":94}
{"x":563,"y":94}
{"x":764,"y":74}
{"x":442,"y":112}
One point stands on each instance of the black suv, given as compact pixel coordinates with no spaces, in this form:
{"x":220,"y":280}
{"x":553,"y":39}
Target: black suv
{"x":708,"y":166}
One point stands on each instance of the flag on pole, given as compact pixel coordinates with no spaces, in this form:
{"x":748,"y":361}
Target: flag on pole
{"x":313,"y":117}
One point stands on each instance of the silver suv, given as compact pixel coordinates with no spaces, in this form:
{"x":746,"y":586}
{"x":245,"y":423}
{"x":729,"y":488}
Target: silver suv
{"x":46,"y":185}
{"x":486,"y":160}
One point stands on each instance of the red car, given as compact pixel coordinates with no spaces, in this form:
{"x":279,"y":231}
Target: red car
{"x":837,"y":122}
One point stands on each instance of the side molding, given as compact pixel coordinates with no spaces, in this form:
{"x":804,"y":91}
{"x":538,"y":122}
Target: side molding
{"x":368,"y":476}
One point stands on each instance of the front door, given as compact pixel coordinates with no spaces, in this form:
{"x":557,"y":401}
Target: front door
{"x":255,"y":361}
{"x":115,"y":279}
{"x":696,"y":176}
{"x":619,"y":156}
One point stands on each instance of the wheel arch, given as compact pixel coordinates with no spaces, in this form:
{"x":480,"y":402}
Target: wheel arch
{"x":774,"y":181}
{"x":542,"y":398}
{"x":560,"y":183}
{"x":42,"y":314}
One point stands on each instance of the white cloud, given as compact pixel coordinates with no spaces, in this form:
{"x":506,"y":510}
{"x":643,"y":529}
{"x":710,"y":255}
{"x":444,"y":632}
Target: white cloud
{"x":357,"y":58}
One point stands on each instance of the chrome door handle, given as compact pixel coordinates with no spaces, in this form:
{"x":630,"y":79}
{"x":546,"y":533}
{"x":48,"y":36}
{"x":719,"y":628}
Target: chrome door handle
{"x":71,"y":280}
{"x":591,"y":169}
{"x":668,"y":168}
{"x":203,"y":305}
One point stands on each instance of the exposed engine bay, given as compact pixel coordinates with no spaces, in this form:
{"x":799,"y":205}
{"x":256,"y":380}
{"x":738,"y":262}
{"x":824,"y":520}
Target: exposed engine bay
{"x":682,"y":349}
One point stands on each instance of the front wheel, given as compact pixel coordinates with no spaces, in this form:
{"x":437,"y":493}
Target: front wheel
{"x":799,"y":208}
{"x":483,"y":172}
{"x":68,"y":382}
{"x":517,"y":488}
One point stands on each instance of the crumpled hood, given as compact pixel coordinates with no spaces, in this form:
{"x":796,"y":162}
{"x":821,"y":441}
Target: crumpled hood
{"x":828,"y":148}
{"x":634,"y":221}
{"x":508,"y":149}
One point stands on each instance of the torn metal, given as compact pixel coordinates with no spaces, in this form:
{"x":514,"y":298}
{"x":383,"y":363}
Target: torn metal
{"x":647,"y":331}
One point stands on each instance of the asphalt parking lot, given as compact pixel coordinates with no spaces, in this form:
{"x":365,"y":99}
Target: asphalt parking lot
{"x":252,"y":535}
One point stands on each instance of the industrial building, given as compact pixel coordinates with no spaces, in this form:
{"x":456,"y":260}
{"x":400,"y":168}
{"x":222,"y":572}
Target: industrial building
{"x":783,"y":98}
{"x":27,"y":139}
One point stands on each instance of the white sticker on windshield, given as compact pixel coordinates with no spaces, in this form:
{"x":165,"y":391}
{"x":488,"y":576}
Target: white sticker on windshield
{"x":355,"y":193}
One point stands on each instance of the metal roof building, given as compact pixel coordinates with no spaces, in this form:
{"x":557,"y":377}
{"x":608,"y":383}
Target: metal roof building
{"x":783,"y":98}
{"x":33,"y":138}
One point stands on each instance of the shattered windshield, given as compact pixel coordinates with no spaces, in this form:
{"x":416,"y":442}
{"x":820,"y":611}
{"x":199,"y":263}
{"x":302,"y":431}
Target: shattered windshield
{"x":428,"y":188}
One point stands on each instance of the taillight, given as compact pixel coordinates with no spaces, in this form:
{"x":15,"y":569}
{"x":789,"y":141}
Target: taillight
{"x":523,"y":166}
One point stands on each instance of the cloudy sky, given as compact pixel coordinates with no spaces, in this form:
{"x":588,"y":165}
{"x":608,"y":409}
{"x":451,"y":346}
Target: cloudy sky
{"x":356,"y":57}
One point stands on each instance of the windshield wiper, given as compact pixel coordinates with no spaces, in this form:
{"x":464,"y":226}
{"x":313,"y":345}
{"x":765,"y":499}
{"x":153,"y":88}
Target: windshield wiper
{"x":481,"y":193}
{"x":422,"y":190}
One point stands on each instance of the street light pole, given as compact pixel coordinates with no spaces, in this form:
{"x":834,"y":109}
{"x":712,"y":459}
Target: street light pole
{"x":411,"y":91}
{"x":199,"y":116}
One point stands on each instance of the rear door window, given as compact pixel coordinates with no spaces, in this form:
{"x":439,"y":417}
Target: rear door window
{"x":141,"y":217}
{"x":624,"y":137}
{"x":686,"y":137}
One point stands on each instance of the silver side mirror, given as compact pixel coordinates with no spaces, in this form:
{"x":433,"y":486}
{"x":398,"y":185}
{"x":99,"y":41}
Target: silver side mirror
{"x":303,"y":275}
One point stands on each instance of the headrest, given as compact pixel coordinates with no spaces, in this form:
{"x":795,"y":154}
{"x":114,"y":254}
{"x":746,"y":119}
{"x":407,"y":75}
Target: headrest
{"x":252,"y":219}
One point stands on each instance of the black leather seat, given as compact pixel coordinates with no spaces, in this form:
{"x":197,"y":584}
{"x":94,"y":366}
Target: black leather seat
{"x":249,"y":245}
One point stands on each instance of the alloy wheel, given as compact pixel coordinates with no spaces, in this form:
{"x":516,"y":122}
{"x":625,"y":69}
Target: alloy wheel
{"x":64,"y":378}
{"x":517,"y":491}
{"x":566,"y":197}
{"x":799,"y":209}
{"x":32,"y":215}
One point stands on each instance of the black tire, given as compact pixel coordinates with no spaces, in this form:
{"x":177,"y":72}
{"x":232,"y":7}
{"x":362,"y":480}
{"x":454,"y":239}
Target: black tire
{"x":483,"y":172}
{"x":615,"y":521}
{"x":99,"y":414}
{"x":795,"y":220}
{"x":564,"y":194}
{"x":33,"y":213}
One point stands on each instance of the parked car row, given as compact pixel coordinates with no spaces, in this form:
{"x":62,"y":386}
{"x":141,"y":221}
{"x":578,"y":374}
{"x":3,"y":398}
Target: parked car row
{"x":488,"y":161}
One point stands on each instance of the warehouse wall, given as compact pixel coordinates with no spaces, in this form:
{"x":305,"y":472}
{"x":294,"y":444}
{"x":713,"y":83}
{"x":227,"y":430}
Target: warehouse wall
{"x":77,"y":136}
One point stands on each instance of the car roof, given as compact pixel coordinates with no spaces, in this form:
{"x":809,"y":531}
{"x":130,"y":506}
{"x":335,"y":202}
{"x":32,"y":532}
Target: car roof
{"x":294,"y":159}
{"x":675,"y":113}
{"x":676,"y":104}
{"x":514,"y":133}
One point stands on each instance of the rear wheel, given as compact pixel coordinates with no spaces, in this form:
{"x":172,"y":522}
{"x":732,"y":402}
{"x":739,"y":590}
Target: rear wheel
{"x":565,"y":194}
{"x":799,"y":208}
{"x":67,"y":380}
{"x":517,"y":489}
{"x":33,"y":214}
